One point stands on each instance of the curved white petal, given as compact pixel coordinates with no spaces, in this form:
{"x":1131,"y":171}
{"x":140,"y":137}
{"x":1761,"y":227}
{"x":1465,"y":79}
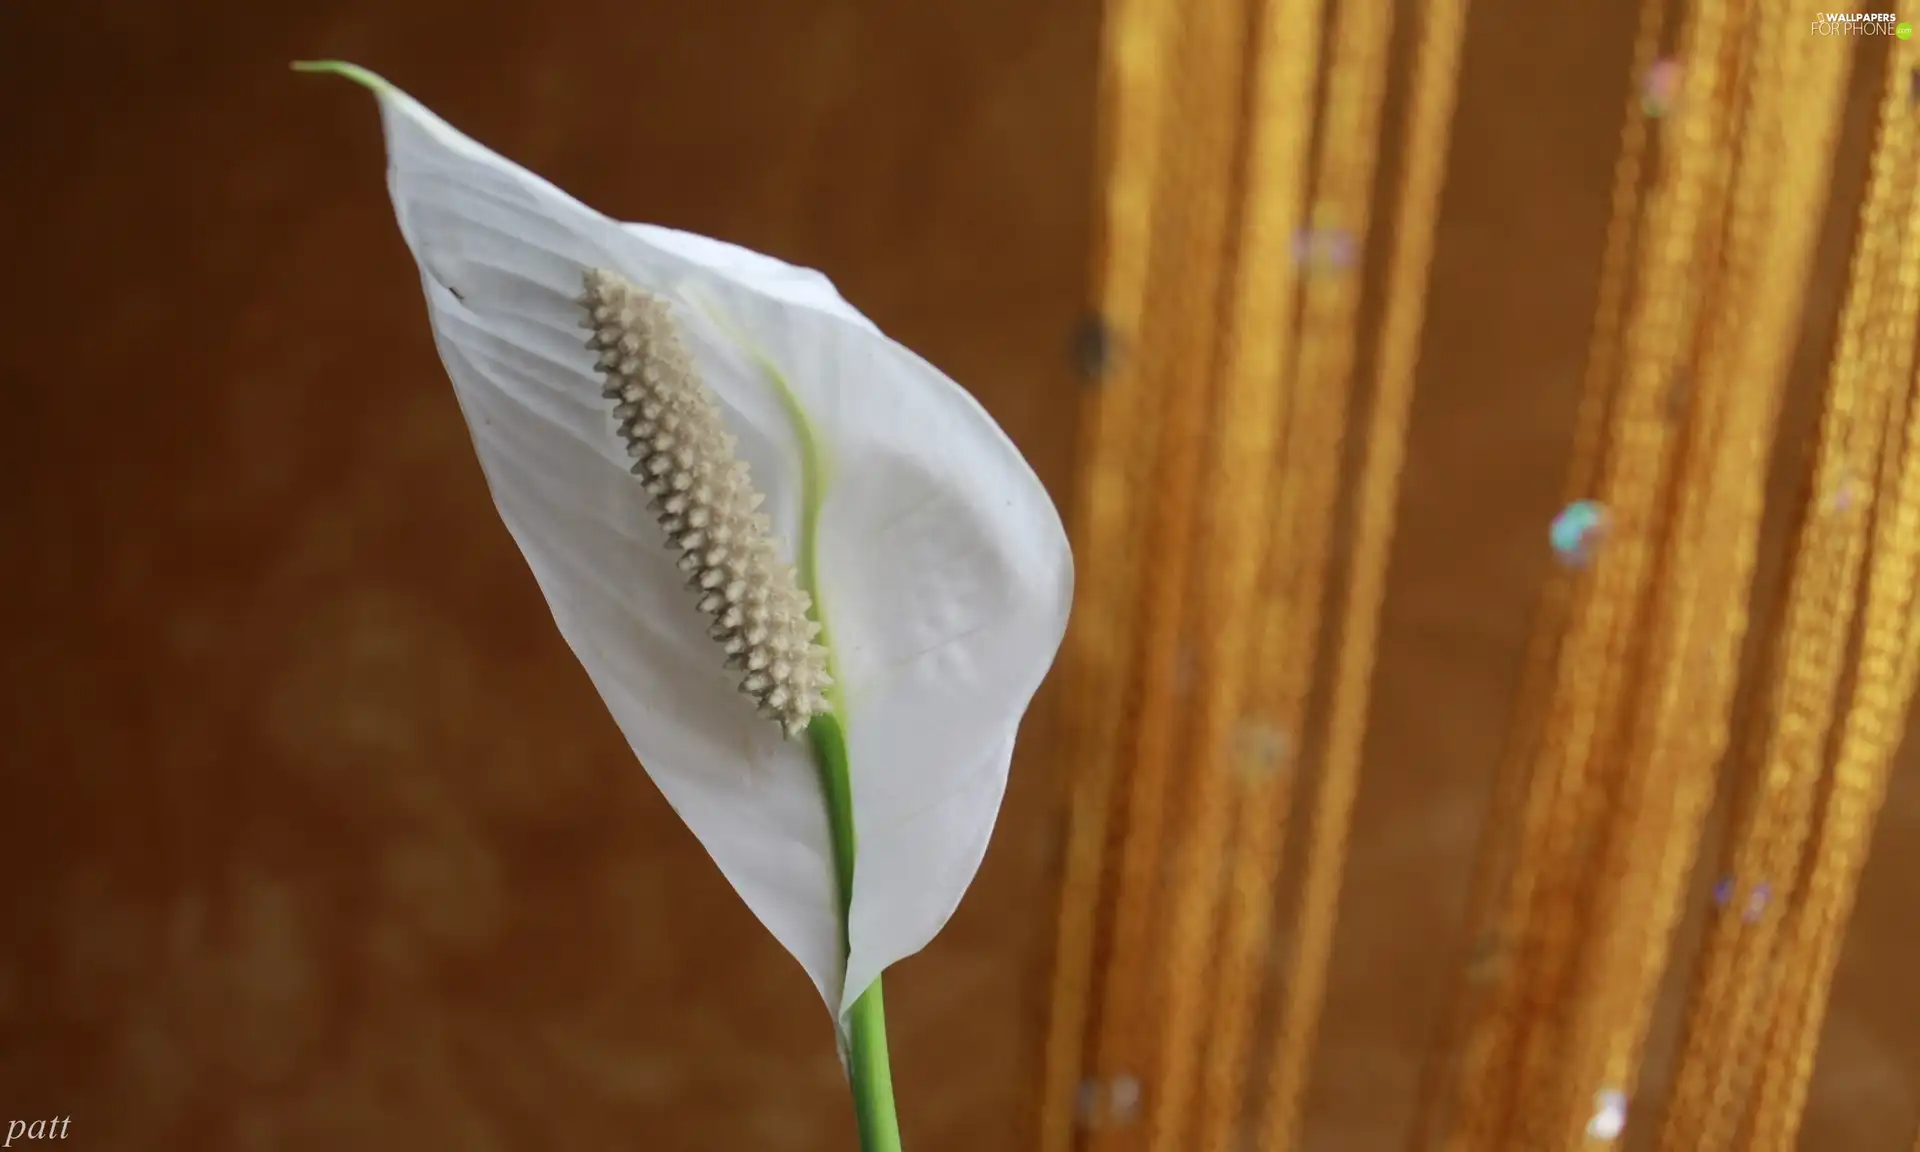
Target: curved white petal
{"x":776,"y":278}
{"x":943,"y":568}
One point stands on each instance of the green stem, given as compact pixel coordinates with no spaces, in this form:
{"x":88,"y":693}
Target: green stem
{"x":868,"y":1068}
{"x":871,"y":1073}
{"x":867,"y":1064}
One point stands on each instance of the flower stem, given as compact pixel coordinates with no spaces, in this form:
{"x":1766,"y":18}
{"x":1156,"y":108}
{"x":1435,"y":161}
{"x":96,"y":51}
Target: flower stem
{"x":867,"y":1063}
{"x":871,"y":1073}
{"x":868,"y":1067}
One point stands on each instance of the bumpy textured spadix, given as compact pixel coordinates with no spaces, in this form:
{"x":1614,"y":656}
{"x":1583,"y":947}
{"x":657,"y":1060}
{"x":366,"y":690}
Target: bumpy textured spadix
{"x":939,"y":565}
{"x":708,"y":508}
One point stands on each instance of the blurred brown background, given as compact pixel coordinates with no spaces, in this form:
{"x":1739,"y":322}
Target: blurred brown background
{"x":315,"y":835}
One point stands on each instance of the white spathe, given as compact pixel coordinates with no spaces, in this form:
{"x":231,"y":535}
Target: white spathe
{"x":944,"y":572}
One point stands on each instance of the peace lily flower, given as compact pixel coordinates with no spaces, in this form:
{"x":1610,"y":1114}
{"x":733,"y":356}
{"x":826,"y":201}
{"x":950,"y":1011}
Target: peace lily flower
{"x":813,"y":581}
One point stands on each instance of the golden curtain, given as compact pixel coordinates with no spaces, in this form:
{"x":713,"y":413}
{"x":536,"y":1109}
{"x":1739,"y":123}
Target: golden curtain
{"x":1272,"y":184}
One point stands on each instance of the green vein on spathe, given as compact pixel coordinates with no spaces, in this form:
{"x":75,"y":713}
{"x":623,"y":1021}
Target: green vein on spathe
{"x":815,"y":472}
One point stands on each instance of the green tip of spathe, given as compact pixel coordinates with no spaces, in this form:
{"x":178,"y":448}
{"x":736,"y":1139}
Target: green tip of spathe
{"x":369,"y":80}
